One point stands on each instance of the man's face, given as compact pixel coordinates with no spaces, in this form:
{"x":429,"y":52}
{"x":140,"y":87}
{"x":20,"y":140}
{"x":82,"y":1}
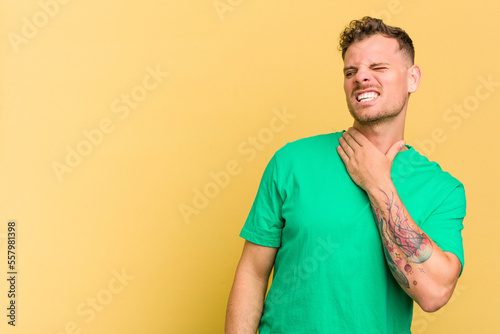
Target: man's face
{"x":376,"y":80}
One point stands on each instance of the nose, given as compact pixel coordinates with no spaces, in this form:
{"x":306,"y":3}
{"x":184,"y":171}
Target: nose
{"x":362,"y":76}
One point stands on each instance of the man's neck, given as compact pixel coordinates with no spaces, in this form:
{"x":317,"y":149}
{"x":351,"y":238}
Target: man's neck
{"x":383,"y":136}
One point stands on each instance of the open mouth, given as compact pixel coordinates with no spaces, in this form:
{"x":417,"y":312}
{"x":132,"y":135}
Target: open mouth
{"x":367,"y":96}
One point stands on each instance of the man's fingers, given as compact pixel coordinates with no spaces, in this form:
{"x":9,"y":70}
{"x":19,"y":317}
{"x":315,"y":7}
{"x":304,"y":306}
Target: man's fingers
{"x":346,"y":148}
{"x":342,"y":154}
{"x":357,"y":136}
{"x":394,"y":150}
{"x":350,"y":140}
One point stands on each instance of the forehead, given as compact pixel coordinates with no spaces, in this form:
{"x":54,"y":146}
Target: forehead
{"x":374,"y":49}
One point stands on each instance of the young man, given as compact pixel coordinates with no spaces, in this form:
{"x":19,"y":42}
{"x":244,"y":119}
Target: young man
{"x":356,"y":224}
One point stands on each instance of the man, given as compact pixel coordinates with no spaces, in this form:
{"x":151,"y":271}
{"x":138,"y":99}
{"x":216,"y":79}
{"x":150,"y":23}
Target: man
{"x":356,"y":224}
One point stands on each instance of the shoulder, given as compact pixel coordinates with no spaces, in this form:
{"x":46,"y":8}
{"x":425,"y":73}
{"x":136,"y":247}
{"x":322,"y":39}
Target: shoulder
{"x":411,"y":163}
{"x":309,"y":146}
{"x":426,"y":181}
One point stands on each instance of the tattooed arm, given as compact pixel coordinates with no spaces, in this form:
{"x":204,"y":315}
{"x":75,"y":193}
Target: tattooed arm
{"x":426,"y":273}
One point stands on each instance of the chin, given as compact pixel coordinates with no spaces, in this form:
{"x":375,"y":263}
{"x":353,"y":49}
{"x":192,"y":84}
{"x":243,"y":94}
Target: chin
{"x":372,"y":118}
{"x":364,"y":116}
{"x":370,"y":115}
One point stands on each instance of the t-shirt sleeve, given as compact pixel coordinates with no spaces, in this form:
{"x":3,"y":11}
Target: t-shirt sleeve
{"x":264,"y":223}
{"x":445,"y":224}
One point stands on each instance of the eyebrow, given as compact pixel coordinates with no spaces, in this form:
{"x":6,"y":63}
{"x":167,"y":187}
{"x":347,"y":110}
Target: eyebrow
{"x":371,"y":65}
{"x":350,"y":68}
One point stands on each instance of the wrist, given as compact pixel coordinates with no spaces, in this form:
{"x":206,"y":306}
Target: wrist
{"x":382,"y":185}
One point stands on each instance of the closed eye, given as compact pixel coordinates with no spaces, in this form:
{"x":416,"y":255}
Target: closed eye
{"x":379,"y":66}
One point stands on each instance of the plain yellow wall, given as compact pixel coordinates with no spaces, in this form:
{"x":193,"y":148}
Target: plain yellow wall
{"x":116,"y":115}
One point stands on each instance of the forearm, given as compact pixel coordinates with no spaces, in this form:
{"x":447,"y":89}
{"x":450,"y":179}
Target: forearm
{"x":245,"y":305}
{"x":421,"y":268}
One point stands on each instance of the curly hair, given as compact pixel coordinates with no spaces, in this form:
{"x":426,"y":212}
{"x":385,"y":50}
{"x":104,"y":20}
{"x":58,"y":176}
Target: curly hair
{"x":368,"y":26}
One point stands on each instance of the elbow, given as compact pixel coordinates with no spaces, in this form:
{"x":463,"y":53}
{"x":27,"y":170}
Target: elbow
{"x":439,"y":288}
{"x":430,"y":307}
{"x":435,"y":301}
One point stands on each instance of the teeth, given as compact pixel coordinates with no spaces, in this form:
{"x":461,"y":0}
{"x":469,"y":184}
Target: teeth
{"x":367,"y":96}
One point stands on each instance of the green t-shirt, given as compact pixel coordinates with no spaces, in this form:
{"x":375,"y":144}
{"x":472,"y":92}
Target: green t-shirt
{"x":330,"y":274}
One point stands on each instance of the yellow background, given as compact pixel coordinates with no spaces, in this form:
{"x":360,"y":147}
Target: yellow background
{"x":230,"y":70}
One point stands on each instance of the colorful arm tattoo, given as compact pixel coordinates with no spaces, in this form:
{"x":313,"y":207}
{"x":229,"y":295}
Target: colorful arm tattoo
{"x":400,"y":237}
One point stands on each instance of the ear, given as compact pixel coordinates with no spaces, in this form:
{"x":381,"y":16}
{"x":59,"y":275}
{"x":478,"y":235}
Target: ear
{"x":414,"y":76}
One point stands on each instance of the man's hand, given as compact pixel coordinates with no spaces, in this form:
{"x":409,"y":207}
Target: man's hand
{"x":366,"y":165}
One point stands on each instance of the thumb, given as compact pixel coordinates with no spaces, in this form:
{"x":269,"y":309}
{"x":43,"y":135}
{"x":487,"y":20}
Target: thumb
{"x":394,"y":149}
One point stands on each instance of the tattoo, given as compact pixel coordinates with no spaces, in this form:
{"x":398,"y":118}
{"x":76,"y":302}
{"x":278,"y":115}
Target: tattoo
{"x":399,"y":236}
{"x":396,"y":272}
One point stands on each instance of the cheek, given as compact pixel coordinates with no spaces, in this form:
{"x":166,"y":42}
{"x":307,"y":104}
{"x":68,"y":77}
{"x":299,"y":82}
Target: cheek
{"x":346,"y":87}
{"x":403,"y":86}
{"x":396,"y":85}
